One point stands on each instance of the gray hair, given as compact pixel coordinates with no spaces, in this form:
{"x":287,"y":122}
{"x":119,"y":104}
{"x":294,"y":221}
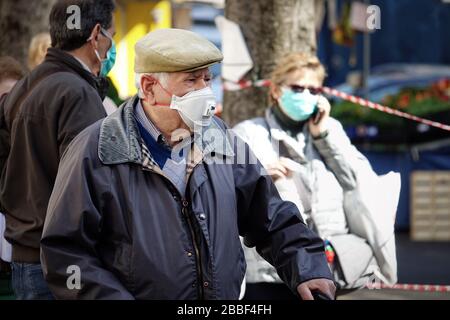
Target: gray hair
{"x":162,"y":77}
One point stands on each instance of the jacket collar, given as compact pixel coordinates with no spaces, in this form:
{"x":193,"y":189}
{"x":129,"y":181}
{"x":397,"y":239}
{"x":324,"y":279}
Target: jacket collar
{"x":58,"y":56}
{"x":297,"y":144}
{"x":61,"y":57}
{"x":120,"y":140}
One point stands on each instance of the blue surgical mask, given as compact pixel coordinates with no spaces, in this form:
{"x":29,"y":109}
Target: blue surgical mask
{"x":299,"y":106}
{"x":110,"y":60}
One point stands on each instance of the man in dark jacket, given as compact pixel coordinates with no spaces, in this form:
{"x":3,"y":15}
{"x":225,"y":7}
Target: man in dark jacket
{"x":40,"y":117}
{"x":150,"y":202}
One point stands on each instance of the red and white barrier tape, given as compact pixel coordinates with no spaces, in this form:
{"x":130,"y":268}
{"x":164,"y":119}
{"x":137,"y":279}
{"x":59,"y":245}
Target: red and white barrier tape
{"x":411,"y":287}
{"x":236,"y":86}
{"x":377,"y":106}
{"x":231,"y":86}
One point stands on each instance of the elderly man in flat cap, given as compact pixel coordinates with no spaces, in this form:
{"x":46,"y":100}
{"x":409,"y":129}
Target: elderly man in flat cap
{"x":149,"y":203}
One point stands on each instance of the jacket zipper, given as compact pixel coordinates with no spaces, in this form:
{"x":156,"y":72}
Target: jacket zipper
{"x":186,"y":215}
{"x":184,"y":211}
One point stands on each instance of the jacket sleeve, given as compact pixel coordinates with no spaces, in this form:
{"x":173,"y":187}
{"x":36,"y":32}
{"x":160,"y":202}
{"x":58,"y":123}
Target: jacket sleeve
{"x":4,"y":135}
{"x":343,"y":159}
{"x":82,"y":107}
{"x":275,"y":226}
{"x":73,"y":228}
{"x":4,"y":139}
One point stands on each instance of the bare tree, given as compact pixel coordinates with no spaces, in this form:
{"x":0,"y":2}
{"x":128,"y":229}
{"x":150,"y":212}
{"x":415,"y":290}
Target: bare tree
{"x":271,"y":29}
{"x":20,"y":20}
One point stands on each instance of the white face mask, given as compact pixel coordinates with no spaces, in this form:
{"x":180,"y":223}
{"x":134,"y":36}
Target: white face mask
{"x":196,"y":108}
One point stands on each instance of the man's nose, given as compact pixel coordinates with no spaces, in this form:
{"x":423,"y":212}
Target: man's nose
{"x":201,"y":84}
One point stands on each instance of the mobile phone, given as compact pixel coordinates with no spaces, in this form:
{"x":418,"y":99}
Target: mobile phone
{"x":313,"y":116}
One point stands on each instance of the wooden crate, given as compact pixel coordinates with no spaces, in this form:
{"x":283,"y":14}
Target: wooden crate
{"x":430,"y":205}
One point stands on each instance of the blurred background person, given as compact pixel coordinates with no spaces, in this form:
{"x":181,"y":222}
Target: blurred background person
{"x":313,"y":164}
{"x":11,"y":71}
{"x":41,"y":115}
{"x":38,"y":49}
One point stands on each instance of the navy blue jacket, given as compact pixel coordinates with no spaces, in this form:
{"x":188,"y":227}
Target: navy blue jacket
{"x":115,"y":216}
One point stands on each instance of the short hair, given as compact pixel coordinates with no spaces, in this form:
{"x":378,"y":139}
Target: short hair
{"x":38,"y":48}
{"x":162,"y":77}
{"x":297,"y":61}
{"x":11,"y":69}
{"x":92,"y":13}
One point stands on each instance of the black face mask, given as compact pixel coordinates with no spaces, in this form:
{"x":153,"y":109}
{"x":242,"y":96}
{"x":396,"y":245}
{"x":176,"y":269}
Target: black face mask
{"x":101,"y":85}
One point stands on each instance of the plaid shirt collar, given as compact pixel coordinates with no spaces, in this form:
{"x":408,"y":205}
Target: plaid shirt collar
{"x":149,"y":125}
{"x":147,"y":160}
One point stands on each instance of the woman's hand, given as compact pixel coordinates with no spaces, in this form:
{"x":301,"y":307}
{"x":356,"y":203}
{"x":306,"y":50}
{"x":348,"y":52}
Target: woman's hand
{"x":279,"y":169}
{"x":319,"y":123}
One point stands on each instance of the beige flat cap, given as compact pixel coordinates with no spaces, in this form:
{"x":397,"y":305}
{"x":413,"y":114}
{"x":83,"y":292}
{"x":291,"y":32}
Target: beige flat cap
{"x":174,"y":50}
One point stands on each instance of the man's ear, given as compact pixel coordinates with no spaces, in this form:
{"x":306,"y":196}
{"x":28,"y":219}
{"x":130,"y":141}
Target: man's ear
{"x":93,"y":38}
{"x":147,"y":84}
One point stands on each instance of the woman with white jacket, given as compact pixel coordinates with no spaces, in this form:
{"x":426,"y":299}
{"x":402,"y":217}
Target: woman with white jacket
{"x":314,"y":165}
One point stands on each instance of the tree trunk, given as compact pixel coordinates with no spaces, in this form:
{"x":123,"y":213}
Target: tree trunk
{"x":20,"y":20}
{"x":271,"y":29}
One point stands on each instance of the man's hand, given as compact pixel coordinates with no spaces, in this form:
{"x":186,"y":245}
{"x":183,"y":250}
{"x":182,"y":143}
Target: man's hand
{"x":319,"y":123}
{"x":325,"y":286}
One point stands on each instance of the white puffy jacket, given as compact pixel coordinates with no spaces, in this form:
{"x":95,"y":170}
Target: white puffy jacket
{"x":339,"y":196}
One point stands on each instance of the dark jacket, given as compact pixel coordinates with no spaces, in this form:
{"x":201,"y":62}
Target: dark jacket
{"x":115,"y":216}
{"x":39,"y":118}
